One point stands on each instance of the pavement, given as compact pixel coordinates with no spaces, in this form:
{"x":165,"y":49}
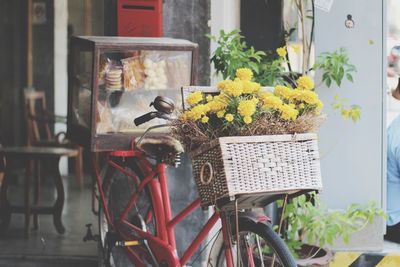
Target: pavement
{"x":45,"y":247}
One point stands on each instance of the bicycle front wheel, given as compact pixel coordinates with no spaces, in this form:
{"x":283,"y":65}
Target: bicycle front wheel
{"x":259,"y":246}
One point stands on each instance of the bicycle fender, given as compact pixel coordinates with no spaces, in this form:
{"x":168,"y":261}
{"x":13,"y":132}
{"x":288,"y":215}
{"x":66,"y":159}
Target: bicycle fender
{"x":256,"y":217}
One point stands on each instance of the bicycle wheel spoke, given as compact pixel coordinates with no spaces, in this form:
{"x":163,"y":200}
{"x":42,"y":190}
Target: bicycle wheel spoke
{"x":259,"y":250}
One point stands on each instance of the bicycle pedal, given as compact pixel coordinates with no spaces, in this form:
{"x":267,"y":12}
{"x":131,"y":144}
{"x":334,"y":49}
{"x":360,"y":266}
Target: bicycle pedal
{"x":127,"y":243}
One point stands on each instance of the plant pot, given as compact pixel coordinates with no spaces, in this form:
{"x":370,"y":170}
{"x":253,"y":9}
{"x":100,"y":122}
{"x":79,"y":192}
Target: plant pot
{"x":313,"y":256}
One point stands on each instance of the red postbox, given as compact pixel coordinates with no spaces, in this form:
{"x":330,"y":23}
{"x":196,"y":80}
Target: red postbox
{"x":140,"y":18}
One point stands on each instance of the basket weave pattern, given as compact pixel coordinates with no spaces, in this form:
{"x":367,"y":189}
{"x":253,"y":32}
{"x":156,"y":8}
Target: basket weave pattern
{"x":257,"y":164}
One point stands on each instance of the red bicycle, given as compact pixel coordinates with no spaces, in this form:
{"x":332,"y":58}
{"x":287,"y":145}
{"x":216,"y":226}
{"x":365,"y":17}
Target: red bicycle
{"x":137,"y":227}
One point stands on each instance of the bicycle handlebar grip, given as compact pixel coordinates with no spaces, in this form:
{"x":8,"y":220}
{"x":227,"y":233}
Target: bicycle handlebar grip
{"x":145,"y":118}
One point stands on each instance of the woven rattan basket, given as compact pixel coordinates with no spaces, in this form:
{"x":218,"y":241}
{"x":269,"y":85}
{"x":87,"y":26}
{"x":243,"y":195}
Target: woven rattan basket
{"x":231,"y":166}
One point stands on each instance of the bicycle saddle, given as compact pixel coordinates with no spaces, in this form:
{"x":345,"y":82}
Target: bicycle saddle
{"x":160,"y":146}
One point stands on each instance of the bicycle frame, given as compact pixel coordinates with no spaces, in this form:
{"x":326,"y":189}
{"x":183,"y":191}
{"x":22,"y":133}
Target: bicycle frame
{"x":163,"y":244}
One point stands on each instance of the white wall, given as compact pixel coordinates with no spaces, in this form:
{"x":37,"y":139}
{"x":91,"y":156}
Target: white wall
{"x":353,"y":155}
{"x":60,"y":68}
{"x":225,"y":15}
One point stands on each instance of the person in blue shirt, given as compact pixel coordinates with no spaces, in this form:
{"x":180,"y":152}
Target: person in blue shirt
{"x":393,"y":177}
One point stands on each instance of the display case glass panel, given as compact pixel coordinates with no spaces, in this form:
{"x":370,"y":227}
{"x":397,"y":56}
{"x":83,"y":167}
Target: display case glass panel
{"x":82,"y":88}
{"x":129,"y":81}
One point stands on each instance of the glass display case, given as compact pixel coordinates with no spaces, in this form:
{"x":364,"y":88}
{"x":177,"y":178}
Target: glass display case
{"x":113,"y":80}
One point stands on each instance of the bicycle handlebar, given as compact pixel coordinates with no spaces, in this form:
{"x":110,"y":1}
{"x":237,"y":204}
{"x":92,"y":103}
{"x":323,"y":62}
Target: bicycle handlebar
{"x":145,"y":118}
{"x":151,"y":115}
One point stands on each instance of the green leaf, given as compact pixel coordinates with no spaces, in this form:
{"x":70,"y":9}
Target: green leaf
{"x":349,"y":77}
{"x":328,"y":82}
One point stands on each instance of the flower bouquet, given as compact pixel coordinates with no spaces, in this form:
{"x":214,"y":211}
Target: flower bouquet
{"x":245,"y":139}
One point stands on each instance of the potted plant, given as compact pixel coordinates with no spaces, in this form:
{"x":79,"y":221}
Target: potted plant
{"x":311,"y":227}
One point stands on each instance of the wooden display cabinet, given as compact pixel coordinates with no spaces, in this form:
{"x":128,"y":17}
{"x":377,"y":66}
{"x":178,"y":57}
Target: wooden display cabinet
{"x":113,"y":80}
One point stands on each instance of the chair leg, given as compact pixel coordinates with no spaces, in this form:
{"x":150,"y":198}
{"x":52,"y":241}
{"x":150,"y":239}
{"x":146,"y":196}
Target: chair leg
{"x":79,"y":167}
{"x":36,"y":193}
{"x":27,"y":203}
{"x":5,"y":209}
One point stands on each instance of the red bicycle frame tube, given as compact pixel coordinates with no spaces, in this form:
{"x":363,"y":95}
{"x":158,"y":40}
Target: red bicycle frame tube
{"x":163,"y":245}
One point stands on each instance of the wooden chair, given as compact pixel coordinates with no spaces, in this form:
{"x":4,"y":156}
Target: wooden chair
{"x":39,"y":133}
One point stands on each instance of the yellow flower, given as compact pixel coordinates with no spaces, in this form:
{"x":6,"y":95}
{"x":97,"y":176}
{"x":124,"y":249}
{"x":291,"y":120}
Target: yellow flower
{"x":209,"y":98}
{"x":273,"y":102}
{"x":221,"y":85}
{"x":265,"y":95}
{"x":229,"y":117}
{"x":250,"y":87}
{"x":255,"y":100}
{"x":247,"y":108}
{"x":220,"y":114}
{"x":305,"y":83}
{"x":319,"y":107}
{"x":184,"y":116}
{"x":244,"y":74}
{"x":197,"y":112}
{"x":345,"y":113}
{"x":288,"y":113}
{"x":204,"y":119}
{"x":281,"y":51}
{"x":296,"y":48}
{"x":284,"y":92}
{"x":233,"y":88}
{"x":194,"y":98}
{"x":247,"y":119}
{"x":308,"y":97}
{"x":217,"y":104}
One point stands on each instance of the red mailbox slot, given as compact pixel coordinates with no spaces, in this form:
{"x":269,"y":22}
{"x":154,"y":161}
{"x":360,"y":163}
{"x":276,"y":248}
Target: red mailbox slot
{"x":140,"y":18}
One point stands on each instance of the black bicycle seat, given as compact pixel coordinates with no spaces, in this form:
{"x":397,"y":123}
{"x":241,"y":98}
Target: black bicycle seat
{"x":160,"y":146}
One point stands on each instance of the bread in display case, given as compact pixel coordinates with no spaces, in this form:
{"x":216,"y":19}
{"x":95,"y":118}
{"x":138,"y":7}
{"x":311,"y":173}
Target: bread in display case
{"x":112,"y":80}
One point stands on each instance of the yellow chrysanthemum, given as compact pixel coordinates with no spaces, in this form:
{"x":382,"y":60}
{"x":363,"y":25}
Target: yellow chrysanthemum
{"x":221,"y":85}
{"x":209,"y":98}
{"x":221,"y":114}
{"x":281,"y":51}
{"x":305,"y":83}
{"x":244,"y":74}
{"x":250,"y":87}
{"x":233,"y":88}
{"x":194,"y":98}
{"x":264,"y":95}
{"x":204,"y":119}
{"x":197,"y":112}
{"x":288,"y":113}
{"x":272,"y":102}
{"x":306,"y":96}
{"x":255,"y":100}
{"x":229,"y":117}
{"x":217,"y":104}
{"x":247,"y":108}
{"x":247,"y":119}
{"x":284,"y":92}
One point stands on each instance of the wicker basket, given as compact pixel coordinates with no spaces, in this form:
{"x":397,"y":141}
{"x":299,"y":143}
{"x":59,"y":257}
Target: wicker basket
{"x":231,"y":166}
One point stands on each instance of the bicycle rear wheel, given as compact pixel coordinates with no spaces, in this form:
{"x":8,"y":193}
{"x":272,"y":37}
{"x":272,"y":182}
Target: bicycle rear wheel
{"x":259,"y":245}
{"x":118,"y":189}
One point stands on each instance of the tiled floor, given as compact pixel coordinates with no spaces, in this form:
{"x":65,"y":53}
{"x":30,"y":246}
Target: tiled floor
{"x":46,"y":247}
